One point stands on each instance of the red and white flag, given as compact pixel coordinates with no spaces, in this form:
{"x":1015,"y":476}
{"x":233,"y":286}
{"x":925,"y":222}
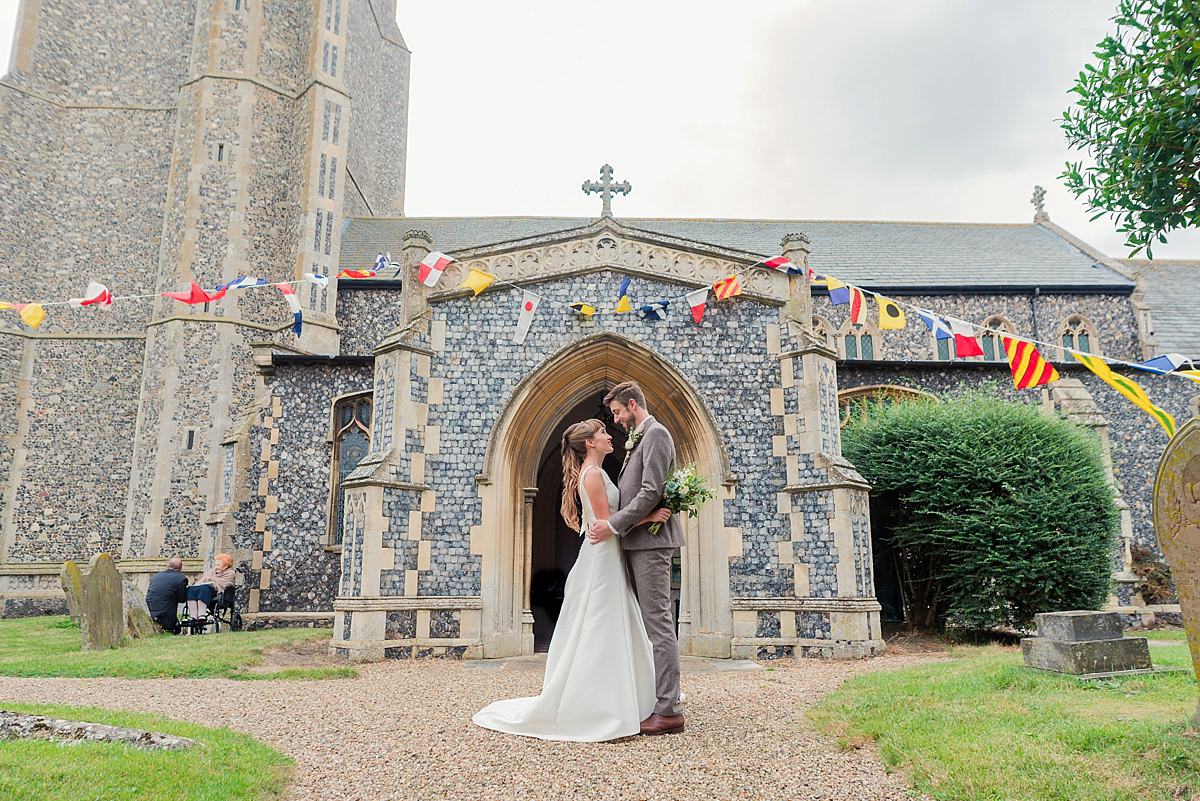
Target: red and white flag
{"x":965,"y":343}
{"x":698,"y":300}
{"x":858,"y":306}
{"x":195,"y":295}
{"x":781,"y":263}
{"x":96,"y":295}
{"x":432,"y":267}
{"x":293,"y":303}
{"x":529,"y":304}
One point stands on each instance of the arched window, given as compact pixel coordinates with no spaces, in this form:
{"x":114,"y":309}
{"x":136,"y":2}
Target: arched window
{"x":857,"y":401}
{"x":824,"y":332}
{"x":993,"y":347}
{"x":350,"y":432}
{"x":859,"y":341}
{"x":1077,"y":333}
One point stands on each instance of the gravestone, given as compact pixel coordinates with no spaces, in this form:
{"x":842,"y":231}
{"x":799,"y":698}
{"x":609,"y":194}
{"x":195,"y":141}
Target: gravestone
{"x":1084,"y":642}
{"x":1177,"y":527}
{"x":138,"y":623}
{"x":72,"y":584}
{"x":103,"y":621}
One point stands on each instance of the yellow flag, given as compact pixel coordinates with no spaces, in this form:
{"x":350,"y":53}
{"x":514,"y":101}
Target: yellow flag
{"x":623,"y":304}
{"x":890,"y":314}
{"x":1194,"y":375}
{"x":1129,"y":389}
{"x":583,"y":308}
{"x":477,"y":281}
{"x":31,"y":313}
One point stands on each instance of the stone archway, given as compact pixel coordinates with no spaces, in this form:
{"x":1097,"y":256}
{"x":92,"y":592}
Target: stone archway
{"x":508,"y":486}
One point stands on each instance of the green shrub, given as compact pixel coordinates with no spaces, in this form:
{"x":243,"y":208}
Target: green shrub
{"x":986,"y":512}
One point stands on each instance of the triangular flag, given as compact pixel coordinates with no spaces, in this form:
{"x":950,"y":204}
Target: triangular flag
{"x":96,"y":295}
{"x":529,"y":304}
{"x":727,"y":287}
{"x":1129,"y":389}
{"x":858,"y":306}
{"x":583,"y":308}
{"x":623,"y":304}
{"x":318,"y":279}
{"x":432,"y":267}
{"x":477,"y":281}
{"x":698,"y":300}
{"x":891,"y":316}
{"x":965,"y":343}
{"x":839,"y":293}
{"x":32,"y":314}
{"x":356,"y":274}
{"x":195,"y":295}
{"x":293,"y":303}
{"x":936,"y":324}
{"x":655,"y":311}
{"x":242,"y":282}
{"x":1028,"y":367}
{"x":1167,"y":363}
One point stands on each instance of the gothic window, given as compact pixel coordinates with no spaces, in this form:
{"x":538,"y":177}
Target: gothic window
{"x":351,"y":435}
{"x":945,"y":349}
{"x":857,"y":401}
{"x":991,"y":342}
{"x":1077,"y":333}
{"x":824,"y":331}
{"x":859,"y":341}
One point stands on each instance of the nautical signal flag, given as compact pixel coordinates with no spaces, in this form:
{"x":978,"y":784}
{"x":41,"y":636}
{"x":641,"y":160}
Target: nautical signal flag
{"x":727,"y":287}
{"x":96,"y":295}
{"x":382,"y":261}
{"x":477,"y":281}
{"x":936,"y":324}
{"x":698,"y":300}
{"x":529,"y":304}
{"x":293,"y":303}
{"x":1129,"y":389}
{"x":318,"y":279}
{"x":839,"y":293}
{"x":891,"y":316}
{"x":32,"y":314}
{"x":781,"y":263}
{"x":242,"y":282}
{"x":1167,"y":363}
{"x":432,"y":267}
{"x":623,"y":304}
{"x":356,"y":274}
{"x":195,"y":295}
{"x":655,"y":311}
{"x":858,"y":306}
{"x":965,"y":343}
{"x":583,"y":308}
{"x":1028,"y":367}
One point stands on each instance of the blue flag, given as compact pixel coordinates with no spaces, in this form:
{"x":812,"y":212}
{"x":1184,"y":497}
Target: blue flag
{"x":655,"y":311}
{"x":936,"y":324}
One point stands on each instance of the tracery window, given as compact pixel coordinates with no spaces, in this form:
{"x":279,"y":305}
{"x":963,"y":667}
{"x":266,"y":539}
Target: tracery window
{"x":993,"y":346}
{"x":350,"y":433}
{"x":824,"y":331}
{"x":859,"y":341}
{"x":857,"y":401}
{"x":1077,"y":333}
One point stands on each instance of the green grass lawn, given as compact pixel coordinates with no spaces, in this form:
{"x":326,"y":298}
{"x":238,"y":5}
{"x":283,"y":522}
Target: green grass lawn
{"x":1163,"y":635}
{"x":50,"y":646}
{"x":982,"y":726}
{"x":226,"y":766}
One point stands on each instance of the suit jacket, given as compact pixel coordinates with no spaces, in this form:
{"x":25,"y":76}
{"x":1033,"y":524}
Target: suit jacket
{"x":641,"y":483}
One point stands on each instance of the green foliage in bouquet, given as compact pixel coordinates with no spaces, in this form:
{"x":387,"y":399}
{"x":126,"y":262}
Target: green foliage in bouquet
{"x":685,"y":492}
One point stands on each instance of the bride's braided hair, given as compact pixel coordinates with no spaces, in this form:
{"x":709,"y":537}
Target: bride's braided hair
{"x":574,"y":450}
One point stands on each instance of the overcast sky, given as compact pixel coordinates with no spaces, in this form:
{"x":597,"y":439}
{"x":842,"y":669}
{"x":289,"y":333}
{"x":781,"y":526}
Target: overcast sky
{"x":922,"y":110}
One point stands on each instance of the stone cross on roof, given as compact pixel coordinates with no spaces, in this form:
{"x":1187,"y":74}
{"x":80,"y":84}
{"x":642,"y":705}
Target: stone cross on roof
{"x":1039,"y":196}
{"x":607,"y":188}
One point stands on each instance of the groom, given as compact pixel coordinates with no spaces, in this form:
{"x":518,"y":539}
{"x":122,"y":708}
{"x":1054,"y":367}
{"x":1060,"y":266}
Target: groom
{"x":650,"y":454}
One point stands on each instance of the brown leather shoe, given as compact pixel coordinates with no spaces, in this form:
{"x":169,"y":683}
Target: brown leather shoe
{"x":661,"y":724}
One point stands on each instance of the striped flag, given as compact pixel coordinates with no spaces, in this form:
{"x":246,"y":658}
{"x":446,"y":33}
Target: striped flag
{"x":698,"y":300}
{"x":1129,"y":389}
{"x":1028,"y":367}
{"x":655,"y":311}
{"x":839,"y":293}
{"x":293,"y":303}
{"x":727,"y":287}
{"x":432,"y":267}
{"x":32,"y":314}
{"x":529,"y":304}
{"x":195,"y":295}
{"x":858,"y":306}
{"x":891,"y":316}
{"x":96,"y":295}
{"x":623,"y":304}
{"x":965,"y":343}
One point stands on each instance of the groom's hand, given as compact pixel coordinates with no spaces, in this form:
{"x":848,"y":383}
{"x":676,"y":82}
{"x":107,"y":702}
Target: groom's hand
{"x":599,"y":532}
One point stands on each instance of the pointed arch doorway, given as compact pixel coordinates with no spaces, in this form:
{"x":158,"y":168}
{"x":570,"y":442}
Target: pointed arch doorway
{"x":519,"y":447}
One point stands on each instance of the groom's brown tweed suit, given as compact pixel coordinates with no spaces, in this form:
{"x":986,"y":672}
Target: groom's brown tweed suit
{"x":641,"y":482}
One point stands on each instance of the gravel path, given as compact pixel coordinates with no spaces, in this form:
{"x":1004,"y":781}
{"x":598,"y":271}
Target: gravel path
{"x":402,"y":731}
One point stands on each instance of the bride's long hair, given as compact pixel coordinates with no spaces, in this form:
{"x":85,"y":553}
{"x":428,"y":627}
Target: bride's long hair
{"x":574,"y":451}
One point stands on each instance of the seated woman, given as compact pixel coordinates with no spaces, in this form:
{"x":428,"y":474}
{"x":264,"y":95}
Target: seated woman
{"x":200,"y":595}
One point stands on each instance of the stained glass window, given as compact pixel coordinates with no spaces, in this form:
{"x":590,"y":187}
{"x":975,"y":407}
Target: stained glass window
{"x":351,"y":442}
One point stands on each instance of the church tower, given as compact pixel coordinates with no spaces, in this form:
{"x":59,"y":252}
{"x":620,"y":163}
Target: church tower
{"x":175,"y":141}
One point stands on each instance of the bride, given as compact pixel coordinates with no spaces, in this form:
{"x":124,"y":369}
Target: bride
{"x":599,"y":682}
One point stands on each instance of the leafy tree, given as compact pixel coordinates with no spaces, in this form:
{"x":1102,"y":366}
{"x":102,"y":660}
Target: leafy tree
{"x":987,"y":512}
{"x":1138,"y":116}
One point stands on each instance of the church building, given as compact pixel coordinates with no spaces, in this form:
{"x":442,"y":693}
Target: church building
{"x":385,"y":460}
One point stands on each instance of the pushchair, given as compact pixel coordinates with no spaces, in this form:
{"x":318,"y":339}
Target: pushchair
{"x":221,"y":613}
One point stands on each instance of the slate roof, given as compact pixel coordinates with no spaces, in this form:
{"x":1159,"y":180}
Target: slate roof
{"x":1173,"y":295}
{"x":875,"y":255}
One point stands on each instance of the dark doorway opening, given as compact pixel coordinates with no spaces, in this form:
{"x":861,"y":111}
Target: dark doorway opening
{"x":555,"y":545}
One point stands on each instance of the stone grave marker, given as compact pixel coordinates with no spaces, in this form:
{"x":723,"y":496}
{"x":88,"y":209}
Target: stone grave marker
{"x":72,"y":584}
{"x":138,"y":623}
{"x":103,"y":621}
{"x":1084,"y":642}
{"x":1177,"y":526}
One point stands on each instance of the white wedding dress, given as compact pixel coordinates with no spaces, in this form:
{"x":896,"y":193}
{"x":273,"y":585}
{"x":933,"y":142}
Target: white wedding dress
{"x":599,"y":682}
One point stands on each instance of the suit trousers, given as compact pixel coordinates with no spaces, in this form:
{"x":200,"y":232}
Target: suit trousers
{"x":650,"y":574}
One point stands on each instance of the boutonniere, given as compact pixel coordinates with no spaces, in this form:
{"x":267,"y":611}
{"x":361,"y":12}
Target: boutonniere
{"x":633,"y":439}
